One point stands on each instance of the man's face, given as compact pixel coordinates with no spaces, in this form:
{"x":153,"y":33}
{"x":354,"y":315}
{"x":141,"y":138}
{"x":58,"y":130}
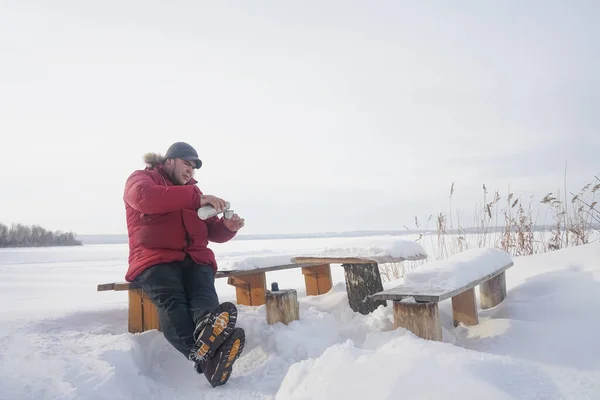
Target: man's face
{"x":180,"y":171}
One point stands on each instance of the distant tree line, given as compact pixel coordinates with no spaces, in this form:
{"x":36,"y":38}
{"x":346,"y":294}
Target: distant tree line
{"x":19,"y":235}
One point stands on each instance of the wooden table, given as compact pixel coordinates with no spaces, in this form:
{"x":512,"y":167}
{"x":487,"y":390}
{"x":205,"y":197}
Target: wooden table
{"x":362,"y":276}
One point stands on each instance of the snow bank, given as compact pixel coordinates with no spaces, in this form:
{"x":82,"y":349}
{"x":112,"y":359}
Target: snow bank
{"x":407,"y":367}
{"x":457,"y":271}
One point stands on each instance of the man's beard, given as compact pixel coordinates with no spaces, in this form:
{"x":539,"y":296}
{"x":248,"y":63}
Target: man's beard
{"x":174,"y":179}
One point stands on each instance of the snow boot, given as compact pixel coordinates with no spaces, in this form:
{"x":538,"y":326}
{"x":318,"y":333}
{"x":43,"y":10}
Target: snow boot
{"x":217,"y":370}
{"x":213,"y":331}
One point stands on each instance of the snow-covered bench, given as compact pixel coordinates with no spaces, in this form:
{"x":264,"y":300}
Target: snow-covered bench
{"x":359,"y":257}
{"x":416,"y":300}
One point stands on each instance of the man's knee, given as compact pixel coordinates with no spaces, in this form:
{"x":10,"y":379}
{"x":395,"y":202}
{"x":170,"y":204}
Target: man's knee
{"x":163,"y":284}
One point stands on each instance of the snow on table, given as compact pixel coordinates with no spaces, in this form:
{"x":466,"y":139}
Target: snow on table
{"x":379,"y":249}
{"x":438,"y":280}
{"x":246,"y":263}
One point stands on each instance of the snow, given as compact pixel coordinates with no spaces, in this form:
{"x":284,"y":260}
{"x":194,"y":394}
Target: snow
{"x":375,"y":248}
{"x":378,"y":248}
{"x":457,"y":271}
{"x":245,"y":262}
{"x":61,"y":339}
{"x":400,"y":367}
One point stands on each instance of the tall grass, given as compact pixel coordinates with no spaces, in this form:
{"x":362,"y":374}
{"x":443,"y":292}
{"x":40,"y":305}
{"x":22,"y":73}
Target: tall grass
{"x":510,"y":223}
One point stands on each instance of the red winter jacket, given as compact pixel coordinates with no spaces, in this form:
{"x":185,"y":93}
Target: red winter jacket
{"x":163,"y":223}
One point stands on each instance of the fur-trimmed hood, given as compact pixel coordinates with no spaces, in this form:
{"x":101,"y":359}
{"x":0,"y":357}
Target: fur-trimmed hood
{"x":152,"y":160}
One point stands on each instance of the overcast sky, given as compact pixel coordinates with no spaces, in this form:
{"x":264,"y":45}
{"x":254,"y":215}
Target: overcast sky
{"x":309,"y":116}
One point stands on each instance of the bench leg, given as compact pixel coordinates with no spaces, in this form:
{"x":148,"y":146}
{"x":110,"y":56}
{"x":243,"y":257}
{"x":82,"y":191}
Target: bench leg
{"x":136,"y":312}
{"x":363,"y":280}
{"x":317,"y":279}
{"x":464,"y":308}
{"x":493,"y":291}
{"x":150,"y":314}
{"x":422,"y":319}
{"x":249,"y":289}
{"x":143,"y":315}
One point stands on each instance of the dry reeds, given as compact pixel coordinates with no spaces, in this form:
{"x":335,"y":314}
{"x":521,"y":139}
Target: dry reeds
{"x":511,"y":227}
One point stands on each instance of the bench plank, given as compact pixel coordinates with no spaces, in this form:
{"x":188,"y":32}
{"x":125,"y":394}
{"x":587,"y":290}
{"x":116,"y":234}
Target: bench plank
{"x":106,"y":286}
{"x":118,"y":286}
{"x":354,"y":260}
{"x":124,"y":286}
{"x":226,"y":274}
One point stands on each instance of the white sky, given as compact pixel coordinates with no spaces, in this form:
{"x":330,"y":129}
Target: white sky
{"x":309,"y":116}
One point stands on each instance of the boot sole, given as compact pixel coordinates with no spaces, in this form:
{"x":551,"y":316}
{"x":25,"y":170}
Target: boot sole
{"x":219,"y":327}
{"x":226,"y":356}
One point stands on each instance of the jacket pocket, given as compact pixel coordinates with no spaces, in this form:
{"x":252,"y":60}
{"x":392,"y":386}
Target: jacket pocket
{"x":196,"y":229}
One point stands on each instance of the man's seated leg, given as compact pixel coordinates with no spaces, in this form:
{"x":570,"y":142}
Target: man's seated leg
{"x":219,"y":343}
{"x":199,"y":283}
{"x":163,"y":283}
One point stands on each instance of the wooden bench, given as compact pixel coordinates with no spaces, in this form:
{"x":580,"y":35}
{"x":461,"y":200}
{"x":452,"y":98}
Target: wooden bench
{"x":362,"y":280}
{"x":250,"y":287}
{"x":416,"y":301}
{"x":362,"y":277}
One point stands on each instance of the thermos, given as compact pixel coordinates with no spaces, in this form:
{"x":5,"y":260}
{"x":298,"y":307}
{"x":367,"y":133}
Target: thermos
{"x":209,"y":211}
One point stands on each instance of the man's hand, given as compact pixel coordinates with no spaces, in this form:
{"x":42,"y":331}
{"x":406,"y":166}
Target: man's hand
{"x":234,"y":224}
{"x":216,"y":202}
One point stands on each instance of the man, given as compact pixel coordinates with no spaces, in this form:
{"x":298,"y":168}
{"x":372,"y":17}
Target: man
{"x":169,"y":259}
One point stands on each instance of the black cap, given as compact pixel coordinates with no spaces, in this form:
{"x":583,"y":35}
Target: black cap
{"x":185,"y":152}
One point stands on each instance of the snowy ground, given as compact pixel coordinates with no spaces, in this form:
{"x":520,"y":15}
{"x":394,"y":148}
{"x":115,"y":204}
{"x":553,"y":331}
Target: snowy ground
{"x":61,"y":339}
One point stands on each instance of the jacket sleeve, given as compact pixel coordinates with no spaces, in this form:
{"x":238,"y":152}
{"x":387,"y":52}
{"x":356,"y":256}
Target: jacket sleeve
{"x":217,"y":231}
{"x":144,"y":195}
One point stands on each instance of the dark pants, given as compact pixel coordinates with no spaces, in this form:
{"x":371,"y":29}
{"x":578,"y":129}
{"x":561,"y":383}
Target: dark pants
{"x":183,"y":293}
